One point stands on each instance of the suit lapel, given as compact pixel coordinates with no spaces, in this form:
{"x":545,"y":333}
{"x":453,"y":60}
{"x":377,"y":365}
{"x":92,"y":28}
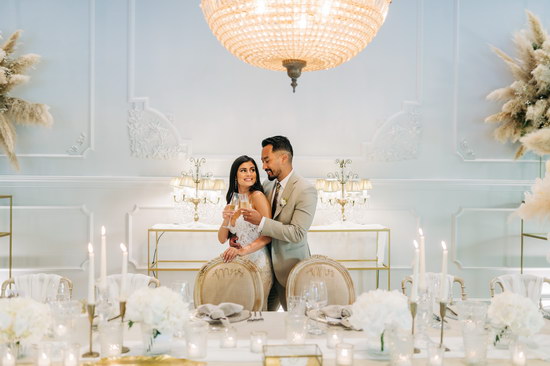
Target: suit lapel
{"x":285,"y":193}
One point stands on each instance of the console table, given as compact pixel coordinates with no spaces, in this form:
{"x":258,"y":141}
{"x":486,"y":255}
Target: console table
{"x":378,"y":261}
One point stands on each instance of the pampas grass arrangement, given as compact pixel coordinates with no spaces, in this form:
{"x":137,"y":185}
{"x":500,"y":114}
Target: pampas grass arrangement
{"x":525,"y":115}
{"x":537,"y":202}
{"x":15,"y":110}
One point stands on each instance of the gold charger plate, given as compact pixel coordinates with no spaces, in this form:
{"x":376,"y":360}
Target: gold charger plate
{"x":146,"y":360}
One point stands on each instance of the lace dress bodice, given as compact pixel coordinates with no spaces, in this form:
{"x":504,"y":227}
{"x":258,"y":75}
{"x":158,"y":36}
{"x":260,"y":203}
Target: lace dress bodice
{"x":247,"y":233}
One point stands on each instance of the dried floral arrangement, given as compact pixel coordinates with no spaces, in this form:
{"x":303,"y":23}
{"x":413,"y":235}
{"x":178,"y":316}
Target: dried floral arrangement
{"x":525,"y":115}
{"x":15,"y":110}
{"x":537,"y":202}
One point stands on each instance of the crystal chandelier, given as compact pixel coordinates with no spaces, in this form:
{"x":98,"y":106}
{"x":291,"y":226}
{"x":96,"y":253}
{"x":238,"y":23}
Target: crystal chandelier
{"x":295,"y":35}
{"x":343,"y":188}
{"x":196,"y":187}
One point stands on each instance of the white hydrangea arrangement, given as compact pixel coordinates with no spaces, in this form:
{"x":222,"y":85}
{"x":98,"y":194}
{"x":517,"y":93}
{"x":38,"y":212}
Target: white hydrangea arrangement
{"x":515,"y":313}
{"x":23,"y":320}
{"x":376,"y":310}
{"x":161,"y":309}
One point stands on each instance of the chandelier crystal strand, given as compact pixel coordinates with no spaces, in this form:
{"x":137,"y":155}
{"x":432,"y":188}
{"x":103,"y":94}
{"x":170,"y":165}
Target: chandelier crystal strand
{"x":319,"y":34}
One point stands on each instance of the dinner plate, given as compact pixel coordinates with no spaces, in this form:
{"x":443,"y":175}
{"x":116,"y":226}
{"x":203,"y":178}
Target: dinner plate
{"x":235,"y":318}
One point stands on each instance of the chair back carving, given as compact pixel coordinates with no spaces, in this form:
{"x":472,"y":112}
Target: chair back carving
{"x":408,"y":281}
{"x":238,"y":282}
{"x":39,"y":286}
{"x":321,"y":268}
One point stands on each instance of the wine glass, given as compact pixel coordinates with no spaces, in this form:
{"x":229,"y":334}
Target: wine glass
{"x":316,"y":296}
{"x":182,"y":289}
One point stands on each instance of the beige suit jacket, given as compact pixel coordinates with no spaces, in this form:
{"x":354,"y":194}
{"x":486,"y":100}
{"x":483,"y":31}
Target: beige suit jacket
{"x":290,"y":224}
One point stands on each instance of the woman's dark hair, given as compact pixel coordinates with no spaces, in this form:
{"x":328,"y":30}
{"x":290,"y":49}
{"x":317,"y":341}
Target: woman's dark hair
{"x":233,"y":187}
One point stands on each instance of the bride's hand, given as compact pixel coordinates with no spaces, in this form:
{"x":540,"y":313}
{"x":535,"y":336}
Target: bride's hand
{"x":230,"y":254}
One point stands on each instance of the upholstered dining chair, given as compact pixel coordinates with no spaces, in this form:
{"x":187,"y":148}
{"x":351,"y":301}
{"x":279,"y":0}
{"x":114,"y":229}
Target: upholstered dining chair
{"x":39,"y":286}
{"x":321,"y":268}
{"x":237,"y":281}
{"x":431,"y":278}
{"x":134,"y":281}
{"x":524,"y":284}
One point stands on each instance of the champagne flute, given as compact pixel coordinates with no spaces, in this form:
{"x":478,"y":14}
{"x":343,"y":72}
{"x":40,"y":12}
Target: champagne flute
{"x":243,"y":201}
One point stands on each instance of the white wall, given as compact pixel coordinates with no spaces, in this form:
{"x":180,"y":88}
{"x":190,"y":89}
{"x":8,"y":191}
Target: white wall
{"x":408,"y":111}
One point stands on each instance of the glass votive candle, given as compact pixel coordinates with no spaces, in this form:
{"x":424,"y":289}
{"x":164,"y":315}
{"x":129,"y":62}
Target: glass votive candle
{"x":71,"y":355}
{"x":228,"y":338}
{"x":296,"y":328}
{"x":110,"y":338}
{"x":435,"y":354}
{"x":401,"y":347}
{"x":475,"y":338}
{"x":518,"y":353}
{"x":196,"y":335}
{"x":334,"y":336}
{"x":257,"y":341}
{"x":8,"y":356}
{"x":43,"y":355}
{"x":344,"y":354}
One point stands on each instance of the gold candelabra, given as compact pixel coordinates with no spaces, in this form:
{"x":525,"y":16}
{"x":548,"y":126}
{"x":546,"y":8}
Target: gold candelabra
{"x":343,"y":187}
{"x":195,"y":187}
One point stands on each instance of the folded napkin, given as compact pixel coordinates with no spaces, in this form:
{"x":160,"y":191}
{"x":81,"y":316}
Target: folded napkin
{"x":223,"y":310}
{"x":336,"y":311}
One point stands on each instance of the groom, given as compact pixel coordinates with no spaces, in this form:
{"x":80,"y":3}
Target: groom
{"x":293,"y":202}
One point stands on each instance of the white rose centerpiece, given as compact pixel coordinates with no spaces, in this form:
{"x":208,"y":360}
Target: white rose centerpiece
{"x":376,"y":310}
{"x":510,"y":312}
{"x":158,"y":310}
{"x":23,"y":320}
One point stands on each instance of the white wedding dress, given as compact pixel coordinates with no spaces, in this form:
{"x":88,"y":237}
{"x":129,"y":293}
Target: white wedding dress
{"x":246,"y":234}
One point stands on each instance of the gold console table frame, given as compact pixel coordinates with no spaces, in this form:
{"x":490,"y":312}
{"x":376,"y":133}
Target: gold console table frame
{"x":153,"y":265}
{"x":528,"y":235}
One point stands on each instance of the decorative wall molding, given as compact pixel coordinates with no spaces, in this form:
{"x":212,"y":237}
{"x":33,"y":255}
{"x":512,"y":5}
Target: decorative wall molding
{"x":398,"y":138}
{"x":454,"y":235}
{"x":79,"y":149}
{"x":79,"y":208}
{"x":152,"y":135}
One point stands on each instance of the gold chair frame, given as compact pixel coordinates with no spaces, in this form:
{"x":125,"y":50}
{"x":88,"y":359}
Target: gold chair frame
{"x":460,"y":281}
{"x":319,"y":259}
{"x":248,"y":265}
{"x":11,"y":282}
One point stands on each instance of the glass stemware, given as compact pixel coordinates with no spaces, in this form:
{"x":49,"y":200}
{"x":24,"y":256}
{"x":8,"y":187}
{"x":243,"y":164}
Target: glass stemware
{"x":316,"y":297}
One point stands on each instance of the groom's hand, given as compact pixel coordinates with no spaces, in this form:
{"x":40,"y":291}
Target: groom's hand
{"x":233,"y":242}
{"x":251,"y":215}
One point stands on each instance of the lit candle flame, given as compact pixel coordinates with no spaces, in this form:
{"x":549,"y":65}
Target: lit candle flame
{"x":123,"y":248}
{"x":415,"y":244}
{"x":420,"y":232}
{"x":444,"y":245}
{"x":103,"y":230}
{"x":90,"y":248}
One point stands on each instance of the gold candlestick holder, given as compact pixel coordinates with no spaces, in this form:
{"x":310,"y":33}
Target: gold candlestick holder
{"x":442,"y":312}
{"x":413,"y":307}
{"x":122,"y":305}
{"x":91,"y":313}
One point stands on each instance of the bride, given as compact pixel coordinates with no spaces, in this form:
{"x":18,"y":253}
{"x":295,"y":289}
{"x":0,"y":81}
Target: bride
{"x":244,"y":179}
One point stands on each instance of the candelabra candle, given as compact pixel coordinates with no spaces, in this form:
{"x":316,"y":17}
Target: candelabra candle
{"x":333,"y":337}
{"x":257,"y":341}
